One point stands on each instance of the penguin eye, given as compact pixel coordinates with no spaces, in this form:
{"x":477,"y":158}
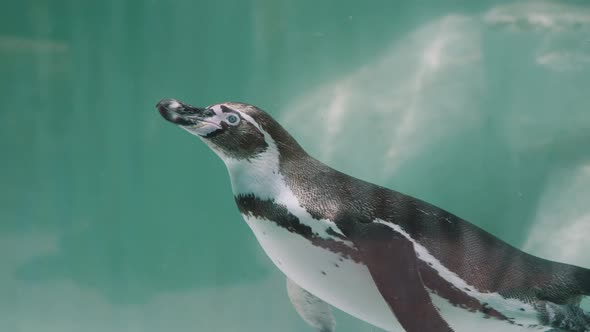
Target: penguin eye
{"x":232,"y":119}
{"x":208,"y":113}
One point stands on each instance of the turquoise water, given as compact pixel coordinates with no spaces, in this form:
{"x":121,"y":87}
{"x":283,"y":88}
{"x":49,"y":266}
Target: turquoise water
{"x":112,"y":219}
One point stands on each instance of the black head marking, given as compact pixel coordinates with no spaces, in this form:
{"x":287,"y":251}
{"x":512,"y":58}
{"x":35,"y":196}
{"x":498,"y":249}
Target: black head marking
{"x":243,"y":141}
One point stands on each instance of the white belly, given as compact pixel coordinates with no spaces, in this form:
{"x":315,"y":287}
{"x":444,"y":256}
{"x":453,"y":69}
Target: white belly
{"x":342,"y":283}
{"x":349,"y":286}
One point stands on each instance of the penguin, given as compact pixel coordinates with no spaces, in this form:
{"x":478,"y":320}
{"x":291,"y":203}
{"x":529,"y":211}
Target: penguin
{"x":392,"y":260}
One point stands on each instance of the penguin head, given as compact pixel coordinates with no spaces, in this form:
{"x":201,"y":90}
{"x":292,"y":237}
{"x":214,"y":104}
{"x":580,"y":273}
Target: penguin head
{"x":232,"y":130}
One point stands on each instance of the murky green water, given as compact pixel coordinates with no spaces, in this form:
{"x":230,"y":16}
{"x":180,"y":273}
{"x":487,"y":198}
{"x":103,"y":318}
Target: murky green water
{"x":112,"y":219}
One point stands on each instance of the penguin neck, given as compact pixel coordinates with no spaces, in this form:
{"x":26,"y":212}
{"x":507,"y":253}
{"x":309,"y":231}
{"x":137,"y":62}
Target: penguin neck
{"x":262,"y":175}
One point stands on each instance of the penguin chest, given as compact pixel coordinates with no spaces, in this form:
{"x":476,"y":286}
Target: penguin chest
{"x":333,"y":276}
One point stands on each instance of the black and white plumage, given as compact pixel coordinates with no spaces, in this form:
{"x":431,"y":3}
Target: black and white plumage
{"x":392,"y":260}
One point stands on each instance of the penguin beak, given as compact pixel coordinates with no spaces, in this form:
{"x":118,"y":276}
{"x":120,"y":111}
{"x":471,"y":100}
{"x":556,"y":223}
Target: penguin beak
{"x":179,"y":113}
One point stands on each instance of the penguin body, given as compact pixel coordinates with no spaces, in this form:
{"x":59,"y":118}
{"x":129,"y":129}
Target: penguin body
{"x":389,"y":259}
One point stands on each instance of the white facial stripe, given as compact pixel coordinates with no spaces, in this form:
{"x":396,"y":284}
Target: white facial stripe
{"x":217,"y":109}
{"x":251,"y":120}
{"x":507,"y":306}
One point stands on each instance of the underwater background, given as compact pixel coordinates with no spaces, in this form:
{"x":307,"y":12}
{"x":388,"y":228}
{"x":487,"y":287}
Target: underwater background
{"x":111,"y":219}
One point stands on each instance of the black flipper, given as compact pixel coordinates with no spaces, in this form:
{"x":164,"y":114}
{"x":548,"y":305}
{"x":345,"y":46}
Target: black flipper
{"x":392,"y":261}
